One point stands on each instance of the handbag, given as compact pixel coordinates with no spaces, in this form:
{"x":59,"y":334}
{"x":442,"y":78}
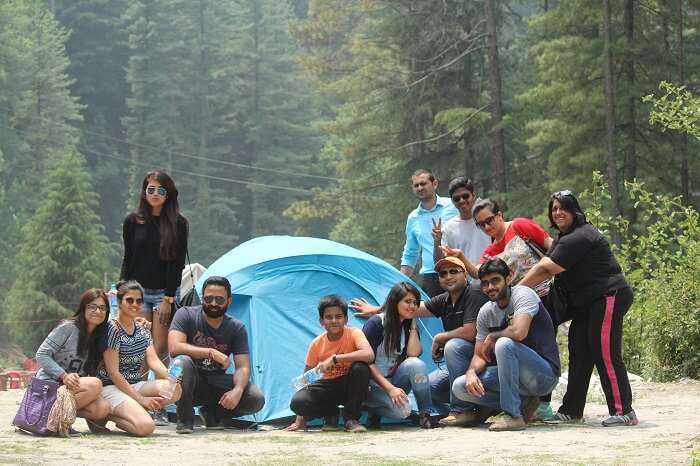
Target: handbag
{"x":558,"y":300}
{"x":33,"y":413}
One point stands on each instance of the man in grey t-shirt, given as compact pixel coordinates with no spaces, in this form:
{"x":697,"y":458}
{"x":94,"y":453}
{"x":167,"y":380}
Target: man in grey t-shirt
{"x":461,"y":232}
{"x":203,"y":338}
{"x":516,"y":358}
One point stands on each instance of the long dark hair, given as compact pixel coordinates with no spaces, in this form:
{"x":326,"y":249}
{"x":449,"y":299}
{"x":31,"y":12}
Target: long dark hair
{"x":169,"y":216}
{"x":569,"y":203}
{"x":392,"y":321}
{"x":89,"y":343}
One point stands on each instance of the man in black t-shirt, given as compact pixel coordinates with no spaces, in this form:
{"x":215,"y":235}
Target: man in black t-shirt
{"x":457,"y":307}
{"x":203,"y":338}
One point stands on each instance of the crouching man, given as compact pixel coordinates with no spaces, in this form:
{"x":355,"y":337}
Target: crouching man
{"x":342,"y":355}
{"x":203,"y":338}
{"x":516,"y":358}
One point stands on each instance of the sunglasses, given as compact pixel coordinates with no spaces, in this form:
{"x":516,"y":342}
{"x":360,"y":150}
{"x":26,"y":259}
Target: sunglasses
{"x":488,"y":221}
{"x":161,"y":190}
{"x":463,"y":197}
{"x":217,"y":299}
{"x":130,"y":301}
{"x":96,"y":308}
{"x":443,"y":273}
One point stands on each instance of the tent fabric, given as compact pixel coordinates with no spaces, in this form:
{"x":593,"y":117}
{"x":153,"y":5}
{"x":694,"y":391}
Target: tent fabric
{"x":277,"y":282}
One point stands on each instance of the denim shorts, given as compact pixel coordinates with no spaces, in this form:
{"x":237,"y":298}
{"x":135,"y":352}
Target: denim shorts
{"x":152,"y":299}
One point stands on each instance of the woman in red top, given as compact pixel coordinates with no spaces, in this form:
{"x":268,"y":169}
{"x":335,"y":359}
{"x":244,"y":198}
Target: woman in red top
{"x":510,"y":240}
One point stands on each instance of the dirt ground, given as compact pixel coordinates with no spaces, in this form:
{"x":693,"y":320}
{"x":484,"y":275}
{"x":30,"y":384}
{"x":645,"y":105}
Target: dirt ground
{"x":668,"y":433}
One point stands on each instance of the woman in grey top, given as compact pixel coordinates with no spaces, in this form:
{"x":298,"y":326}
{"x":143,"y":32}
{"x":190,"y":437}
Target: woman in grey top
{"x":70,"y":355}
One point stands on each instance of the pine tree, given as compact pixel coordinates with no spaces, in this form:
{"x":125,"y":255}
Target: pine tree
{"x":63,"y":252}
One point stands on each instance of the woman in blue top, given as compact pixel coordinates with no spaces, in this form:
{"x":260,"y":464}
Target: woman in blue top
{"x":70,"y":355}
{"x":128,"y":346}
{"x":396,"y":370}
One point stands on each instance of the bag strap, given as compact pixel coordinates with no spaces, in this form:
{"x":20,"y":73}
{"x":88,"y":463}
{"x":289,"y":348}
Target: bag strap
{"x":536,"y":249}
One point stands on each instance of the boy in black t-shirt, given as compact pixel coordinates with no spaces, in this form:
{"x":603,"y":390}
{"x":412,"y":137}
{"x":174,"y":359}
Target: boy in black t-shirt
{"x":203,"y":338}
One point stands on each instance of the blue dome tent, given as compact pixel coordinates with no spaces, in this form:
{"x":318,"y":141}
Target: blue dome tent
{"x":277,"y":282}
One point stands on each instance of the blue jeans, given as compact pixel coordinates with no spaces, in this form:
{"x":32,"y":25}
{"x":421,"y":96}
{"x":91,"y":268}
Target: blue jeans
{"x":520,"y":372}
{"x":458,"y":355}
{"x":412,"y":374}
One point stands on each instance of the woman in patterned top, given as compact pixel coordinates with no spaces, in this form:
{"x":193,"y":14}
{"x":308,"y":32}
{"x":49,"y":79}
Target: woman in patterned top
{"x":128,"y":346}
{"x":70,"y":355}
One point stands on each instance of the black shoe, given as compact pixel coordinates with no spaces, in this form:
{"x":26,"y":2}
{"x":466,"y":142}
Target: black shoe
{"x":374,"y":422}
{"x":211,"y":420}
{"x":184,"y":427}
{"x":426,"y":422}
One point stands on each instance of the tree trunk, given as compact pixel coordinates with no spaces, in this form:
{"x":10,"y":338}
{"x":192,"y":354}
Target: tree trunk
{"x":685,"y":182}
{"x":631,"y":128}
{"x":496,"y":133}
{"x":610,"y":116}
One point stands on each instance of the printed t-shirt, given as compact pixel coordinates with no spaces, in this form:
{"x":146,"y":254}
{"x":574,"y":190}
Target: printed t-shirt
{"x":321,"y":348}
{"x":229,"y":338}
{"x":131,"y":349}
{"x":519,"y":226}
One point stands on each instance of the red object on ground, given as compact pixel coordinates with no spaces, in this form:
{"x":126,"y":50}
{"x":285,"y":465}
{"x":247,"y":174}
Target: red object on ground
{"x":14,"y":378}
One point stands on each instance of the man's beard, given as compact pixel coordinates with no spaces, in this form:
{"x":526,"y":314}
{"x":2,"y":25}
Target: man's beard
{"x":213,"y":311}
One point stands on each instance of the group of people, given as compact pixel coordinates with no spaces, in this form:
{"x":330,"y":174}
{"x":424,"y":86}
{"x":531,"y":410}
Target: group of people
{"x":488,"y":279}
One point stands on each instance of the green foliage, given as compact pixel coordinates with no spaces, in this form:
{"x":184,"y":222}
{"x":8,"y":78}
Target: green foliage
{"x":661,"y":337}
{"x":63,"y":252}
{"x":676,"y":109}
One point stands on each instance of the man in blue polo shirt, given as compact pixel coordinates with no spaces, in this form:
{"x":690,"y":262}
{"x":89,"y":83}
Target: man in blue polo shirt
{"x":432,"y":211}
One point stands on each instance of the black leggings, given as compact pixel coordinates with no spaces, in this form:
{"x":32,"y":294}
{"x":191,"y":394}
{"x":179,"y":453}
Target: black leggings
{"x":321,"y":398}
{"x":595,"y":338}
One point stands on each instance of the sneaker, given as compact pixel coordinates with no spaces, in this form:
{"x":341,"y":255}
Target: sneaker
{"x":544,"y":412}
{"x":507,"y":423}
{"x":374,"y":422}
{"x":562,"y":418}
{"x":330,"y":424}
{"x":73,"y":433}
{"x":530,"y":405}
{"x":354,"y":426}
{"x":184,"y":427}
{"x":629,"y":419}
{"x":426,"y":422}
{"x":160,"y":418}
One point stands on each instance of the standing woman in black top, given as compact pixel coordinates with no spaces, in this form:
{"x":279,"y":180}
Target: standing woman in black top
{"x":155,"y":245}
{"x":598,"y":298}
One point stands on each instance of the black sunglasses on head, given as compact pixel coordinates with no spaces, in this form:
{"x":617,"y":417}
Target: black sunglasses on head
{"x":560,"y":194}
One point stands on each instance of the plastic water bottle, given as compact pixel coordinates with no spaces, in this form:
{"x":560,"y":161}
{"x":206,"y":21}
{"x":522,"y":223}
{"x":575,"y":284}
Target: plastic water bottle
{"x":174,"y":377}
{"x":310,"y":376}
{"x":113,"y":300}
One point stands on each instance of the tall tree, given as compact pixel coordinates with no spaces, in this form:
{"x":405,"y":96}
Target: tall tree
{"x":610,"y":122}
{"x":63,"y":252}
{"x":496,"y":132}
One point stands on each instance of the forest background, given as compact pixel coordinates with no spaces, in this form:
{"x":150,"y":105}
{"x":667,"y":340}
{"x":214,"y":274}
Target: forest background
{"x":307,"y":117}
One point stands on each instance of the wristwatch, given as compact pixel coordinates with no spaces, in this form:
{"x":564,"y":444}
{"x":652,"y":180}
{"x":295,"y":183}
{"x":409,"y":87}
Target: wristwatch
{"x":335,"y":359}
